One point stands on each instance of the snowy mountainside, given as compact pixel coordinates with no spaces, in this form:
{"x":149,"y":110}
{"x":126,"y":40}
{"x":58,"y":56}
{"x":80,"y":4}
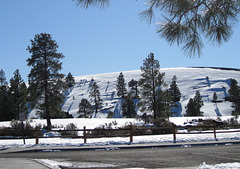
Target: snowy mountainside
{"x":189,"y":80}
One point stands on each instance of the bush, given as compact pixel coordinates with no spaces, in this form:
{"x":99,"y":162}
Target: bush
{"x":110,"y":114}
{"x":17,"y":125}
{"x":104,"y":130}
{"x":167,"y":128}
{"x":69,"y":130}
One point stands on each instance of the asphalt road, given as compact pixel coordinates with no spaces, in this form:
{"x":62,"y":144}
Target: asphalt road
{"x":167,"y":157}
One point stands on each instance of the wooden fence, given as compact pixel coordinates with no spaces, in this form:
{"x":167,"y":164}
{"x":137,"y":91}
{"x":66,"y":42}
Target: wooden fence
{"x":130,"y":132}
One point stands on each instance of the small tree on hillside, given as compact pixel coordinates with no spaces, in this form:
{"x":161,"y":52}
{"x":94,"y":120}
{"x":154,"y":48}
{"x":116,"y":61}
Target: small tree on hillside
{"x":128,"y":107}
{"x":190,"y":108}
{"x":121,"y":86}
{"x":234,"y":97}
{"x":133,"y":85}
{"x":85,"y":109}
{"x":215,"y":97}
{"x":174,"y":90}
{"x":194,"y":105}
{"x":70,"y":80}
{"x":95,"y":95}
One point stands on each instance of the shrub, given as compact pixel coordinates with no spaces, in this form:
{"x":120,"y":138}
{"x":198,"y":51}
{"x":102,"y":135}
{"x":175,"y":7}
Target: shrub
{"x":69,"y":130}
{"x":17,"y":125}
{"x":110,"y":114}
{"x":104,"y":129}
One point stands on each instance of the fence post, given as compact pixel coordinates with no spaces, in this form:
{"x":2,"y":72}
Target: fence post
{"x":37,"y":135}
{"x":23,"y":132}
{"x":84,"y":134}
{"x":131,"y":134}
{"x":214,"y":131}
{"x":174,"y":133}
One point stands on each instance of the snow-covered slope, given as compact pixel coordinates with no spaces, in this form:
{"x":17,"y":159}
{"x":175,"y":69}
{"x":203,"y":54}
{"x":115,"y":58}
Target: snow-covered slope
{"x":189,"y":80}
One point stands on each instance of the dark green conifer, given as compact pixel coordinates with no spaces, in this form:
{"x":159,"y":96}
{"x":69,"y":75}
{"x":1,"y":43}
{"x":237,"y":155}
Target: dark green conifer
{"x":174,"y":90}
{"x":45,"y":81}
{"x":121,"y":86}
{"x":95,"y":95}
{"x":18,"y":95}
{"x":151,"y":83}
{"x":85,"y":109}
{"x":128,"y":107}
{"x":194,"y":105}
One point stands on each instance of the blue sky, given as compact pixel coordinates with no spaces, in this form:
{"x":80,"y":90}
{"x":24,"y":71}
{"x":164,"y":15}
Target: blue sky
{"x":96,"y":40}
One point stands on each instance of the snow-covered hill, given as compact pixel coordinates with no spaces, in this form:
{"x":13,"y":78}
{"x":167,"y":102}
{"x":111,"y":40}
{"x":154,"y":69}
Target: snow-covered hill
{"x":189,"y":80}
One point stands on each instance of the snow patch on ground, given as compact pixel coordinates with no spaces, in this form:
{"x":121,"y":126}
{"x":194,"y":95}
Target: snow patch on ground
{"x":220,"y":166}
{"x":58,"y":164}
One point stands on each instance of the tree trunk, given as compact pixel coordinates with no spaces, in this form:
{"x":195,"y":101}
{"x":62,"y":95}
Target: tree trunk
{"x":154,"y":95}
{"x":49,"y":125}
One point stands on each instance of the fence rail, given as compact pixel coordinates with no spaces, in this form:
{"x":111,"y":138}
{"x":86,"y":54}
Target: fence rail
{"x":130,"y":132}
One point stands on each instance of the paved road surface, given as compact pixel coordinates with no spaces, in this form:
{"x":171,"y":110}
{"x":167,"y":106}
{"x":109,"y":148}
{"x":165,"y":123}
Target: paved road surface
{"x":19,"y":163}
{"x":144,"y":157}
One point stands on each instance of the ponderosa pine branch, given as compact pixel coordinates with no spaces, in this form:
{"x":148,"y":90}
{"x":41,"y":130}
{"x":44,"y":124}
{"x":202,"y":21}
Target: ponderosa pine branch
{"x":187,"y":22}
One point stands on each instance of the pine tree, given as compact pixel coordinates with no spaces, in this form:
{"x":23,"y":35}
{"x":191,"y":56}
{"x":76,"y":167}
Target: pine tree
{"x":45,"y":81}
{"x":234,"y":97}
{"x":164,"y":104}
{"x":150,"y":82}
{"x":187,"y":22}
{"x":121,"y":86}
{"x":128,"y":107}
{"x":215,"y":97}
{"x":133,"y":85}
{"x":194,"y":105}
{"x":174,"y":90}
{"x":5,"y":104}
{"x":199,"y":103}
{"x":95,"y":95}
{"x":85,"y":109}
{"x":18,"y":90}
{"x":190,"y":108}
{"x":70,"y":80}
{"x":2,"y":78}
{"x":233,"y":91}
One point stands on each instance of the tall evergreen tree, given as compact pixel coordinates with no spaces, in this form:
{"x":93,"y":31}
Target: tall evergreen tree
{"x":150,"y":82}
{"x":45,"y":81}
{"x":70,"y":80}
{"x":121,"y":86}
{"x":174,"y":90}
{"x":5,"y":104}
{"x":18,"y":90}
{"x":85,"y":109}
{"x":133,"y":85}
{"x":128,"y":107}
{"x":95,"y":95}
{"x":194,"y":105}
